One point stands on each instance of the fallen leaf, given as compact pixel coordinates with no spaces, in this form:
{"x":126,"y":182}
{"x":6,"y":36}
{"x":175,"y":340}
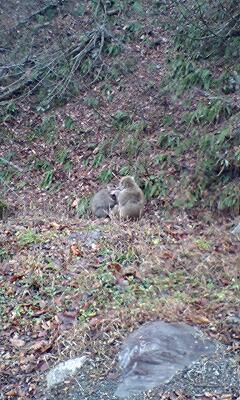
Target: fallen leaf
{"x":75,"y":203}
{"x":67,"y":318}
{"x":95,"y":321}
{"x":167,"y":254}
{"x":17,"y":342}
{"x":41,"y":346}
{"x":199,"y":319}
{"x":75,"y":251}
{"x":12,"y":393}
{"x":55,"y":225}
{"x":16,"y":277}
{"x":115,"y":268}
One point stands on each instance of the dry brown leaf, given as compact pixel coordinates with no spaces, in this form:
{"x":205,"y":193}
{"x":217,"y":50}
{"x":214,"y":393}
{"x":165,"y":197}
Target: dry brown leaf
{"x":115,"y":268}
{"x":12,"y":393}
{"x":75,"y":251}
{"x":199,"y":319}
{"x":96,"y":321}
{"x":55,"y":225}
{"x":41,"y":346}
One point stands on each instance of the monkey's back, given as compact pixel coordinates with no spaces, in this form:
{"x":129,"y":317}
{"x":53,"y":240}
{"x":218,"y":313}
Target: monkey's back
{"x":131,"y":203}
{"x":131,"y":211}
{"x":131,"y":196}
{"x":101,"y":203}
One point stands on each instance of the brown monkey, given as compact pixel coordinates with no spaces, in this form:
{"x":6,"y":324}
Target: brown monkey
{"x":102,"y":202}
{"x":130,"y":199}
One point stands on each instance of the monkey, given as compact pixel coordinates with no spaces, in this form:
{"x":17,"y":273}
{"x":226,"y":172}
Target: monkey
{"x":102,"y":202}
{"x":130,"y":199}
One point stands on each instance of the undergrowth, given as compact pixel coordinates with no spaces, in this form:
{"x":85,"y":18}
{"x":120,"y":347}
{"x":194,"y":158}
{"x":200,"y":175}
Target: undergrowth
{"x":196,"y":157}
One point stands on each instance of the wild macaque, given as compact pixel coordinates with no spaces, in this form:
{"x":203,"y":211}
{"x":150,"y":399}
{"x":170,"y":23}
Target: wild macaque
{"x":102,"y":202}
{"x":130,"y":199}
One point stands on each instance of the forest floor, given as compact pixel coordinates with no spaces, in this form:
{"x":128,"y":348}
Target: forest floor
{"x":75,"y":285}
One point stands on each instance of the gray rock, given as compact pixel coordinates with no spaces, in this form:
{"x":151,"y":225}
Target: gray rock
{"x":217,"y":375}
{"x":156,"y":351}
{"x":64,"y":370}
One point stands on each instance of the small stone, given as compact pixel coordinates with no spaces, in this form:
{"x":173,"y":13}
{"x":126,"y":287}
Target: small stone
{"x":236,"y":230}
{"x":64,"y":370}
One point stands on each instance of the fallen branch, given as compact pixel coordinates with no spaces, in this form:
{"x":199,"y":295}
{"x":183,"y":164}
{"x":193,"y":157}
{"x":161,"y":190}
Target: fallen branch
{"x":4,"y":161}
{"x":74,"y":56}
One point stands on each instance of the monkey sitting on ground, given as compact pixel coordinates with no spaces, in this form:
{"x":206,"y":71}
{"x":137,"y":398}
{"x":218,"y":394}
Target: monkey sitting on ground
{"x":102,"y":202}
{"x":130,"y":199}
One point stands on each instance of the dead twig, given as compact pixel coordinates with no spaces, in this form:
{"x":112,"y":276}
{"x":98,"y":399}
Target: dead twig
{"x":4,"y":161}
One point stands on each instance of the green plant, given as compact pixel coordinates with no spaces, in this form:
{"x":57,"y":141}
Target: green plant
{"x":237,"y":154}
{"x":128,"y":66}
{"x":86,"y":66}
{"x":167,"y":120}
{"x":105,"y":176}
{"x":229,"y":198}
{"x":128,"y":256}
{"x":161,"y":159}
{"x":137,"y":7}
{"x":121,"y":119}
{"x":4,"y":254}
{"x":114,"y":73}
{"x":133,"y":146}
{"x":28,"y":237}
{"x":8,"y":171}
{"x":125,"y":170}
{"x":69,"y":122}
{"x":43,"y":165}
{"x":8,"y":112}
{"x":208,"y":114}
{"x":79,"y":11}
{"x":204,"y":29}
{"x":83,"y":206}
{"x":3,"y":209}
{"x":113,"y":49}
{"x":91,"y":101}
{"x":137,"y":127}
{"x":98,"y":159}
{"x":154,"y":186}
{"x":203,"y":244}
{"x":47,"y":129}
{"x":108,"y":92}
{"x":134,"y":28}
{"x":169,"y":140}
{"x":187,"y":202}
{"x":86,"y":313}
{"x":186,"y":74}
{"x":63,"y":157}
{"x":47,"y":179}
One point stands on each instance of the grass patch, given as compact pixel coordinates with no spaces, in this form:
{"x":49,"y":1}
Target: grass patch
{"x":30,"y":237}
